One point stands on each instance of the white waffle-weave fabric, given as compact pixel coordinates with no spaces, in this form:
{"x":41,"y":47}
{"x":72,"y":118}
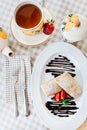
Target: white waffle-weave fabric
{"x":59,"y":9}
{"x":13,"y":69}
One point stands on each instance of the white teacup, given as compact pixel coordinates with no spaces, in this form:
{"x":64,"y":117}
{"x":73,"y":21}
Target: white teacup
{"x":29,"y":30}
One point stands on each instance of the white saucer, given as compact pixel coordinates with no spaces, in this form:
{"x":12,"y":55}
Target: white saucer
{"x":27,"y":39}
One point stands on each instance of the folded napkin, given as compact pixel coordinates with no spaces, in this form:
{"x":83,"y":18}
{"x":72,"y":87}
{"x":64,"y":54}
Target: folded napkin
{"x":12,"y":68}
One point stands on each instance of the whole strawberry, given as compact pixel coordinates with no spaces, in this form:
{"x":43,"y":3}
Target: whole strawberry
{"x":48,"y":27}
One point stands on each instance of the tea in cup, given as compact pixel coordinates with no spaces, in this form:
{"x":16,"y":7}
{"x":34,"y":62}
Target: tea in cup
{"x":28,"y":17}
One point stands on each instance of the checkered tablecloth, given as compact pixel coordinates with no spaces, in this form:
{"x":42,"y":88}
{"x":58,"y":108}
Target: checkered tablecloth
{"x":59,"y":9}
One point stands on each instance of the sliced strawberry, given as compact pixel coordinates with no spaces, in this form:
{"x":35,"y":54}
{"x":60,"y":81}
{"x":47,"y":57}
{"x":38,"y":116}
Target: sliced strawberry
{"x":48,"y":27}
{"x":68,"y":96}
{"x":62,"y":95}
{"x":57,"y":97}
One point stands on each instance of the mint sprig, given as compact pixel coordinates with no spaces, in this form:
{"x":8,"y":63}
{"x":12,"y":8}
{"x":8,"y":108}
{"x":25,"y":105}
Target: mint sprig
{"x":65,"y":102}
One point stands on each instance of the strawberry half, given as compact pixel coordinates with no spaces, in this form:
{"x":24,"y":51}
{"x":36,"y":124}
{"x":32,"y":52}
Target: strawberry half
{"x":62,"y":95}
{"x":57,"y":97}
{"x":48,"y":27}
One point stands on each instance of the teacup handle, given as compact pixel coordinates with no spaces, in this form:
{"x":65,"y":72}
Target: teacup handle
{"x":48,"y":16}
{"x":43,"y":3}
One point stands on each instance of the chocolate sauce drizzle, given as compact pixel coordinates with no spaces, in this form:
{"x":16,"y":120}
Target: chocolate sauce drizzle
{"x":56,"y":67}
{"x":59,"y":65}
{"x":57,"y":108}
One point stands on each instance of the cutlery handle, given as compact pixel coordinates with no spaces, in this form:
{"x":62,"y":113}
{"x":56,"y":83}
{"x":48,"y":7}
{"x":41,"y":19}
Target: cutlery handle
{"x":26,"y":103}
{"x":15,"y":104}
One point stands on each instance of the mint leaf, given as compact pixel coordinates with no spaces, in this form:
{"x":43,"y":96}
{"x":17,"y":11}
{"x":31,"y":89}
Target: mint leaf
{"x":0,"y":28}
{"x":70,"y":15}
{"x":63,"y":28}
{"x":64,"y":23}
{"x":65,"y":102}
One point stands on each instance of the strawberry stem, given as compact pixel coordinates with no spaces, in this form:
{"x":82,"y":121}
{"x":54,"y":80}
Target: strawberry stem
{"x":51,"y":21}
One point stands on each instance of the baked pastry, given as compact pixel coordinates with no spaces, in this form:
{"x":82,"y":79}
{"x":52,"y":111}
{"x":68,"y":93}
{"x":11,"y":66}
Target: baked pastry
{"x":50,"y":87}
{"x":69,"y":84}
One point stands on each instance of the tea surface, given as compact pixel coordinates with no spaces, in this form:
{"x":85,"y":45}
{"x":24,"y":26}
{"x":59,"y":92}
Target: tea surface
{"x":28,"y":16}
